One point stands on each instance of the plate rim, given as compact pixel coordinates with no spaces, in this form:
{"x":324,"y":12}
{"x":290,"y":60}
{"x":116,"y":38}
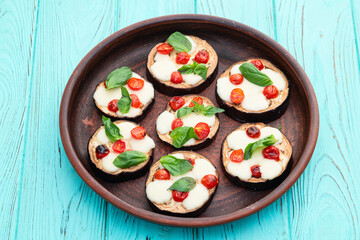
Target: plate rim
{"x":197,"y":221}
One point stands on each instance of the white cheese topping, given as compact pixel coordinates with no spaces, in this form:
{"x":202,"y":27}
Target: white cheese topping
{"x":190,"y":142}
{"x":188,"y":174}
{"x":157,"y":191}
{"x":145,"y":94}
{"x":194,"y":118}
{"x":132,"y":112}
{"x":101,"y":137}
{"x":125,"y":129}
{"x":163,"y":67}
{"x":107,"y":162}
{"x":254,"y":99}
{"x":196,"y":198}
{"x":191,"y":79}
{"x":103,"y":96}
{"x":164,"y":121}
{"x":201,"y":168}
{"x":178,"y":155}
{"x":142,"y":145}
{"x":193,"y":44}
{"x":269,"y":168}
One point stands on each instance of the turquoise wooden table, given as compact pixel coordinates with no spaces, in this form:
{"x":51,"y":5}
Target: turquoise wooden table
{"x":42,"y":41}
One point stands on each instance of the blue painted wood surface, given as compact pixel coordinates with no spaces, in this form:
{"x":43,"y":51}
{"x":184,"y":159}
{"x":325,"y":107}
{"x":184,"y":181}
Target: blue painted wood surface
{"x":42,"y":41}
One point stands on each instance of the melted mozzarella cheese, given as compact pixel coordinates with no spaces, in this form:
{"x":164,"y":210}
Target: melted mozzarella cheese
{"x":224,"y":88}
{"x":270,"y":169}
{"x":103,"y":96}
{"x":145,"y":94}
{"x":125,"y":129}
{"x":163,"y":67}
{"x":194,"y":118}
{"x":164,"y":121}
{"x":107,"y":162}
{"x":132,"y":112}
{"x":190,"y":142}
{"x":142,"y":145}
{"x":188,"y":174}
{"x":178,"y":155}
{"x":191,"y":79}
{"x":201,"y":168}
{"x":101,"y":137}
{"x":193,"y":44}
{"x":278,"y":80}
{"x":240,"y":170}
{"x":196,"y":198}
{"x":157,"y":191}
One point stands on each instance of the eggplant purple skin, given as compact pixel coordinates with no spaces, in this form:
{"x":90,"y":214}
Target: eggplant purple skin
{"x":171,"y":91}
{"x":241,"y":116}
{"x":123,"y":176}
{"x":269,"y":184}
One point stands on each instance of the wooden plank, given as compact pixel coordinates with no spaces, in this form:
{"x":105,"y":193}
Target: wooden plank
{"x":324,"y":202}
{"x":55,"y":202}
{"x":17,"y":33}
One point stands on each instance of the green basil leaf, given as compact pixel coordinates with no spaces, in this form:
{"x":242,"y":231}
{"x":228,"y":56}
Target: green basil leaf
{"x":175,"y":166}
{"x":280,"y":127}
{"x":198,"y":108}
{"x":251,"y":147}
{"x":252,"y":74}
{"x":201,"y":70}
{"x":211,"y":110}
{"x":118,"y":77}
{"x":184,"y":184}
{"x":111,"y":130}
{"x":179,"y":42}
{"x":181,"y":135}
{"x":129,"y":158}
{"x":184,"y":111}
{"x":124,"y":102}
{"x":186,"y":69}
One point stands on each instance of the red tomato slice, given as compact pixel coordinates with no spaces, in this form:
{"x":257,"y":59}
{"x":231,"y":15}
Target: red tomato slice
{"x":202,"y":57}
{"x":253,"y":132}
{"x":202,"y":130}
{"x":182,"y":58}
{"x":135,"y":102}
{"x":164,"y":48}
{"x":162,"y":174}
{"x":101,"y":151}
{"x":176,"y":123}
{"x":176,"y":103}
{"x":176,"y":77}
{"x":138,"y":132}
{"x":236,"y":79}
{"x":237,"y":95}
{"x":119,"y":146}
{"x":209,"y":181}
{"x":199,"y":100}
{"x":270,"y":92}
{"x":237,"y":156}
{"x":192,"y":161}
{"x":179,"y":196}
{"x":135,"y":83}
{"x":255,"y":171}
{"x":258,"y":64}
{"x":271,"y":152}
{"x":112,"y":106}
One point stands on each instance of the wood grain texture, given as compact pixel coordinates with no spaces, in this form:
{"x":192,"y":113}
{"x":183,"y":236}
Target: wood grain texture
{"x":42,"y":42}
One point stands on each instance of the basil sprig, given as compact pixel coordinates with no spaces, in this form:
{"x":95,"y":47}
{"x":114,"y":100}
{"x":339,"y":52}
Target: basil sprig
{"x":199,"y":108}
{"x":175,"y":166}
{"x":129,"y":158}
{"x":184,"y":184}
{"x":118,"y":77}
{"x":181,"y":135}
{"x":196,"y":68}
{"x":251,"y":147}
{"x":179,"y":42}
{"x":124,"y":102}
{"x":252,"y":74}
{"x":111,"y":130}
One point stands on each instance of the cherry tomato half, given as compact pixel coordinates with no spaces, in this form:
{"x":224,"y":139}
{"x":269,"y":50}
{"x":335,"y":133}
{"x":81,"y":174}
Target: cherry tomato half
{"x":199,"y":100}
{"x":191,"y":160}
{"x":112,"y":106}
{"x":253,"y":132}
{"x":176,"y":103}
{"x":176,"y":77}
{"x":209,"y":181}
{"x":179,"y":196}
{"x":258,"y":64}
{"x":138,"y":132}
{"x":135,"y":101}
{"x":236,"y":79}
{"x":270,"y":92}
{"x":202,"y":130}
{"x":119,"y":146}
{"x":101,"y":151}
{"x":271,"y":152}
{"x":202,"y":57}
{"x":164,"y":48}
{"x":182,"y":58}
{"x":237,"y":95}
{"x":135,"y":83}
{"x":237,"y":156}
{"x":255,"y":171}
{"x":176,"y":123}
{"x":162,"y":174}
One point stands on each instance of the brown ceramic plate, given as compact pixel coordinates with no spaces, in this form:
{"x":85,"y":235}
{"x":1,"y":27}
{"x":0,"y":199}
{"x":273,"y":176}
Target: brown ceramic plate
{"x":233,"y":41}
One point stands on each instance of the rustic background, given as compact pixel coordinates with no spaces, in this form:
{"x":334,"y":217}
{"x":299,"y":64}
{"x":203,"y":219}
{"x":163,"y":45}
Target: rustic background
{"x":42,"y":41}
